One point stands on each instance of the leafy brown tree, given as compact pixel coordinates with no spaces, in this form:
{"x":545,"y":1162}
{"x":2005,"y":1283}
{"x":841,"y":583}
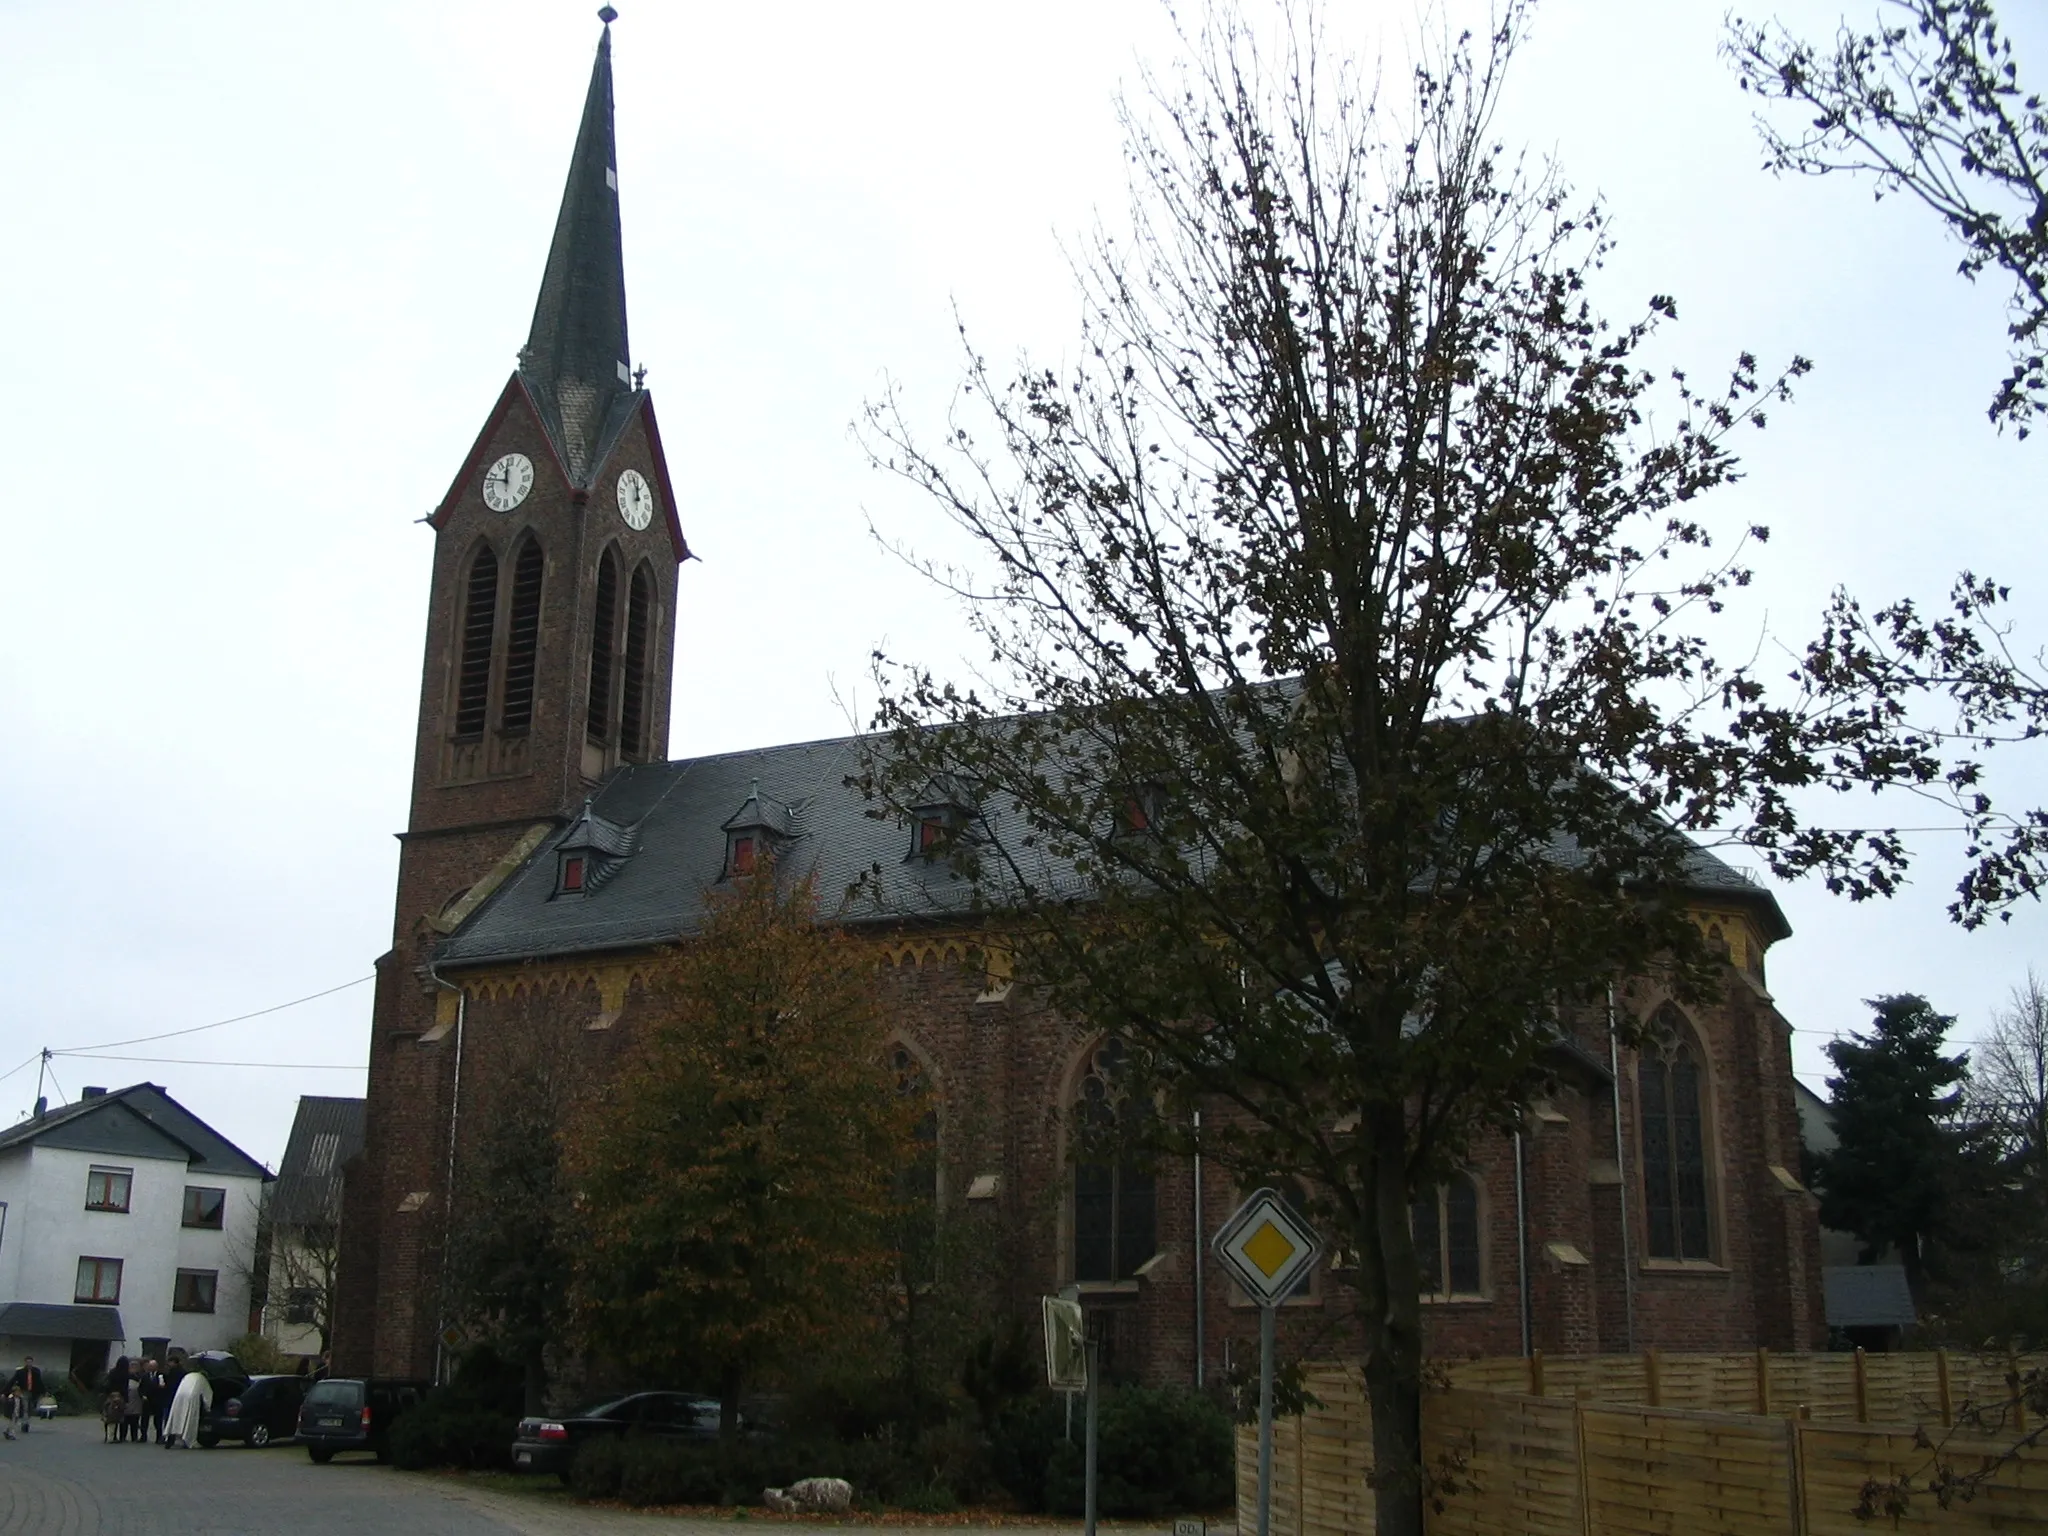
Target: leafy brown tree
{"x":1927,"y":102}
{"x":1346,"y":668}
{"x":738,"y":1181}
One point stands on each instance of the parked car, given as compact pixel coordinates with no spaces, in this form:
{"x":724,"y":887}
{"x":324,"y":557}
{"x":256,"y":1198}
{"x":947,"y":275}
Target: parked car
{"x":352,"y":1414}
{"x":222,"y":1369}
{"x":265,"y":1409}
{"x":546,"y":1444}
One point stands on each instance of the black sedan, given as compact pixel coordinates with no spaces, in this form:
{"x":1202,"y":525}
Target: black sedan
{"x":547,"y":1444}
{"x":263,"y":1409}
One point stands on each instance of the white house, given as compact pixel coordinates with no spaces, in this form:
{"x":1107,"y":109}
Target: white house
{"x":127,"y":1226}
{"x":305,"y":1225}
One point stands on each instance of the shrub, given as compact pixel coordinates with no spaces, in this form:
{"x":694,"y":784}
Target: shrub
{"x":1021,"y":1445}
{"x":1158,"y":1449}
{"x":469,"y":1422}
{"x":259,"y":1355}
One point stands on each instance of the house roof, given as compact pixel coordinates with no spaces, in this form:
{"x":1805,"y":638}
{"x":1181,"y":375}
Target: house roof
{"x":326,"y":1134}
{"x":60,"y":1320}
{"x":1868,"y":1296}
{"x":677,"y":815}
{"x":139,"y":1121}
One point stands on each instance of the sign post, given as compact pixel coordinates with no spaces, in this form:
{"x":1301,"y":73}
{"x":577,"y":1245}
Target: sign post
{"x":1070,"y":1367}
{"x":1268,"y":1250}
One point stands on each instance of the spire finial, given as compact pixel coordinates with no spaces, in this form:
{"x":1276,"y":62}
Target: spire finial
{"x":607,"y":15}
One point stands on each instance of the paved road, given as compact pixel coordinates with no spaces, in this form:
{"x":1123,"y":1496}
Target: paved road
{"x":61,"y":1480}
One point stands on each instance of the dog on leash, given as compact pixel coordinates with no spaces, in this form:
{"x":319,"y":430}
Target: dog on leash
{"x":110,"y":1417}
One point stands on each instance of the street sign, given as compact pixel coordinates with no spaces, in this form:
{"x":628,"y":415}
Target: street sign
{"x":1066,"y":1345}
{"x":452,"y":1337}
{"x":1267,"y":1248}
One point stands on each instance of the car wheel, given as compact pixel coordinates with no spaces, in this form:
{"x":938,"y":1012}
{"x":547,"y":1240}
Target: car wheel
{"x":208,"y":1440}
{"x":320,"y":1454}
{"x":259,"y":1435}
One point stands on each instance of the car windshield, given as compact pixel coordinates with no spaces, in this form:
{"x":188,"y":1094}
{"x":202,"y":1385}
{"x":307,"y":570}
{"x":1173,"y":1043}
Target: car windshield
{"x":335,"y":1394}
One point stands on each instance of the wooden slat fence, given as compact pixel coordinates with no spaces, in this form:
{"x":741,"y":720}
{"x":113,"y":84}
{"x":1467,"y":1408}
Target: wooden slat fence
{"x":1679,"y":1445}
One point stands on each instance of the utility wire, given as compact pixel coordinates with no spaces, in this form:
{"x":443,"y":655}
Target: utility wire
{"x":23,"y":1067}
{"x":188,"y":1061}
{"x":108,"y":1045}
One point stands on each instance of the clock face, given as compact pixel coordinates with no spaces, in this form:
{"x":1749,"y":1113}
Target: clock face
{"x":507,"y":482}
{"x":636,"y":501}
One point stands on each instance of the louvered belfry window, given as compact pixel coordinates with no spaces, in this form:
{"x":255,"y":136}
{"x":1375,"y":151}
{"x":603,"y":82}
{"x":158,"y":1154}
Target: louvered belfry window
{"x":633,"y":707}
{"x":1674,"y":1143}
{"x":603,"y":626}
{"x":522,"y":642}
{"x":479,"y":624}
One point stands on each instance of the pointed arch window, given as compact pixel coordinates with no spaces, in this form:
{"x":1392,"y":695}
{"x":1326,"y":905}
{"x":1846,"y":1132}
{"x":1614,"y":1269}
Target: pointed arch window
{"x":1669,"y":1089}
{"x":1445,"y":1221}
{"x":633,"y":710}
{"x":479,"y":628}
{"x":522,"y":639}
{"x":603,"y":630}
{"x":1115,"y":1204}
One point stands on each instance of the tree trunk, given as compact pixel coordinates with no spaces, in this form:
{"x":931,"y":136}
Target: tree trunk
{"x":728,"y":1413}
{"x":1393,"y":1368}
{"x":534,"y":1368}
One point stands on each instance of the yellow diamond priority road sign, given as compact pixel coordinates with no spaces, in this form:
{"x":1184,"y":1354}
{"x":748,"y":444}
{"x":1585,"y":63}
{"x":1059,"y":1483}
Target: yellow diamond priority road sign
{"x":1267,"y":1248}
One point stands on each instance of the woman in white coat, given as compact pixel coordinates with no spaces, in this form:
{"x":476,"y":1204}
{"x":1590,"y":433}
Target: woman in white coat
{"x":188,"y":1408}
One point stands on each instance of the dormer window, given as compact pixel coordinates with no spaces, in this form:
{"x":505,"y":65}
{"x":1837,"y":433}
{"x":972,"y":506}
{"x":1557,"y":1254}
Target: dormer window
{"x":941,"y":819}
{"x":755,"y":831}
{"x":591,"y":853}
{"x":1142,"y":808}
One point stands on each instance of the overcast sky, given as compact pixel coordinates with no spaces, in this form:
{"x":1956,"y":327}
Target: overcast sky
{"x":265,"y":272}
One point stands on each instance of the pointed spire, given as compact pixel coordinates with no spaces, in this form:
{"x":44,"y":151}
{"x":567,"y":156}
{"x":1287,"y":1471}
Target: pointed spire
{"x":575,"y":360}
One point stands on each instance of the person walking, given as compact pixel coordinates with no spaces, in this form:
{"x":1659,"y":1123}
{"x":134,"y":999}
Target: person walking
{"x":114,"y":1394}
{"x":24,"y":1391}
{"x":189,"y":1406}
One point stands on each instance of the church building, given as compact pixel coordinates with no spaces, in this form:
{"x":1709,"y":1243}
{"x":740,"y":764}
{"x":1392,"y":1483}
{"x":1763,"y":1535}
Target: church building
{"x":556,"y":856}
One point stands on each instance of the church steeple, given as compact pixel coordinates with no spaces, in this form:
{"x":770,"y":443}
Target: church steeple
{"x":575,"y":362}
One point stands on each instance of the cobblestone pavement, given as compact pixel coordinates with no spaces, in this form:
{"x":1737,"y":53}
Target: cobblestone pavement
{"x":61,"y":1480}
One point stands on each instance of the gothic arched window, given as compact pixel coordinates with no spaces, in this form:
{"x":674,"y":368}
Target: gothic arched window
{"x":1115,"y":1212}
{"x":1670,"y":1091}
{"x":603,"y":629}
{"x":522,"y":638}
{"x":920,"y":1181}
{"x":479,"y":627}
{"x":633,"y":705}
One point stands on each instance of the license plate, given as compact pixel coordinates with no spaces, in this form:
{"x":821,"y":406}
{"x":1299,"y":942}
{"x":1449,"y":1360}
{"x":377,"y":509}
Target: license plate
{"x":330,"y":1423}
{"x":526,"y":1458}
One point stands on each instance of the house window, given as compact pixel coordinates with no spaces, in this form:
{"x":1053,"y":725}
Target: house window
{"x":205,"y":1207}
{"x":1141,"y":809}
{"x":99,"y":1280}
{"x":572,"y":874}
{"x":1115,"y":1215}
{"x":931,"y":834}
{"x":298,"y":1305}
{"x":1674,"y":1143}
{"x":194,"y":1290}
{"x":106,"y":1189}
{"x":1445,"y":1222}
{"x":743,"y":856}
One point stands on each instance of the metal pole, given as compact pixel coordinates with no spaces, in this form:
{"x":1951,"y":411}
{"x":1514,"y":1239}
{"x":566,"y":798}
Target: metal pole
{"x":1628,"y":1263}
{"x":1201,"y":1322}
{"x":1522,"y":1246}
{"x":1265,"y":1421}
{"x":42,"y":1062}
{"x":1094,"y":1390}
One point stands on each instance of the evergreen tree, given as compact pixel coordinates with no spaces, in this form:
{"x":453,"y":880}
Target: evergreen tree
{"x":1893,"y":1177}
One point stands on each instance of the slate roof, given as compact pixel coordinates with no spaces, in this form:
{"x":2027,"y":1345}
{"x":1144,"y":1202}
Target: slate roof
{"x":677,"y":815}
{"x":575,"y":361}
{"x":1868,"y":1296}
{"x":208,"y":1151}
{"x":60,"y":1320}
{"x":326,"y":1133}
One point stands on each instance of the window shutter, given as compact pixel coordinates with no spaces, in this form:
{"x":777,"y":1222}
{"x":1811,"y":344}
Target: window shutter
{"x":633,"y":708}
{"x":603,"y":623}
{"x":522,"y":644}
{"x":479,"y":624}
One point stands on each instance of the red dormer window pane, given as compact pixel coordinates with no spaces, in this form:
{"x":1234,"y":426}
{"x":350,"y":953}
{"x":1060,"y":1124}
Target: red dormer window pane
{"x":1136,"y":817}
{"x":572,"y":874}
{"x":743,"y":855}
{"x":930,"y":833}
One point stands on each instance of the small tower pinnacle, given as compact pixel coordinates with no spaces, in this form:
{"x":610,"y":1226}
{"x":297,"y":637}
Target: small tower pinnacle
{"x":575,"y":361}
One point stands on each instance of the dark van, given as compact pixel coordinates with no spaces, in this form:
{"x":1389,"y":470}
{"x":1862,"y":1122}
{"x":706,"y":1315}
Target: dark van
{"x":350,"y":1414}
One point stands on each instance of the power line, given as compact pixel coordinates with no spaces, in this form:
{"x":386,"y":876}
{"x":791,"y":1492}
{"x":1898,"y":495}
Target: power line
{"x":190,"y":1061}
{"x":23,"y":1067}
{"x":108,"y":1045}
